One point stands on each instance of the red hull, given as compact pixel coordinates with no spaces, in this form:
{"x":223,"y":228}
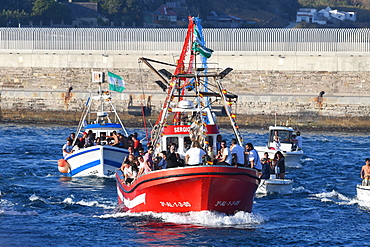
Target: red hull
{"x":214,"y":188}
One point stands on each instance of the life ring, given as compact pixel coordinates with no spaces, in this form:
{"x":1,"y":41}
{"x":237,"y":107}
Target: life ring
{"x":63,"y":166}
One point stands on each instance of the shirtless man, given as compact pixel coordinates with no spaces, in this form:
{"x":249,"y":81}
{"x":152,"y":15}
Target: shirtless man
{"x":115,"y":138}
{"x":365,"y":173}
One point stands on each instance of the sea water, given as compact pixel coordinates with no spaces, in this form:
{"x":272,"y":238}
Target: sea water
{"x":41,"y":207}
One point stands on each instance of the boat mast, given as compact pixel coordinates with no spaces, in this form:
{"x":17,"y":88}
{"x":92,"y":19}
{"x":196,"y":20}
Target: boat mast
{"x":231,"y":116}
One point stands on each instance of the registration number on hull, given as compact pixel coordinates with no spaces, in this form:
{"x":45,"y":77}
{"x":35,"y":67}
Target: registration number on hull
{"x":175,"y":204}
{"x":227,"y":203}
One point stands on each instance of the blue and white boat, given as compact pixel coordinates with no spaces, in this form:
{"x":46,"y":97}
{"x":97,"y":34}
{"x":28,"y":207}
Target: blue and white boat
{"x":99,"y":160}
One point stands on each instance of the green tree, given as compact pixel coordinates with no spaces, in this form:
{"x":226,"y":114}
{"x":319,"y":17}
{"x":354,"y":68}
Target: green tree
{"x":12,"y":18}
{"x":132,"y":12}
{"x":49,"y":10}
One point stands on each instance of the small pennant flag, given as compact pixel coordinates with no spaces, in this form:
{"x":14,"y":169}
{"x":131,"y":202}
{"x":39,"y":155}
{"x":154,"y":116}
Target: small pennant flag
{"x":116,"y":83}
{"x":169,"y":109}
{"x":233,"y":115}
{"x":224,"y":91}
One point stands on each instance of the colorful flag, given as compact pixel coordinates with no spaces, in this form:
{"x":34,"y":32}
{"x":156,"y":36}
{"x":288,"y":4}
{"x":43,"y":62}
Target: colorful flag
{"x":206,"y":52}
{"x":116,"y":83}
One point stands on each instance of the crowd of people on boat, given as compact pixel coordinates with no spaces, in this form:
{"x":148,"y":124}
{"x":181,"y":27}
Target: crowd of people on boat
{"x":139,"y":162}
{"x":88,"y":139}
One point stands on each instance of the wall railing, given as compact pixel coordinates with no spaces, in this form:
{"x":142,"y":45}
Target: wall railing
{"x":168,"y":39}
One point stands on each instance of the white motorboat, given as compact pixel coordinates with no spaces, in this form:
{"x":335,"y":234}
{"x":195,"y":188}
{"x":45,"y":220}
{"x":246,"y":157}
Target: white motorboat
{"x":291,"y":153}
{"x":99,"y":160}
{"x":363,"y":192}
{"x":273,"y":185}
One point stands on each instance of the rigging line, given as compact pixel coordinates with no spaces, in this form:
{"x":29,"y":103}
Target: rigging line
{"x":146,"y":103}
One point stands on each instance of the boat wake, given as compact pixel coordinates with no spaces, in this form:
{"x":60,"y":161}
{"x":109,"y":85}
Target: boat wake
{"x":106,"y":205}
{"x":335,"y":197}
{"x":202,"y":218}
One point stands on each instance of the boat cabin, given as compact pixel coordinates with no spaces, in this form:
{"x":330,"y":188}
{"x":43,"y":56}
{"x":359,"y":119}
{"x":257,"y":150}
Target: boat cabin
{"x":284,"y":134}
{"x":103,"y":130}
{"x":184,"y":122}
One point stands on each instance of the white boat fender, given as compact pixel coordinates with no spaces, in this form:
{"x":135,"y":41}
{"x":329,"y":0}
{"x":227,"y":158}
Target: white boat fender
{"x":63,"y":166}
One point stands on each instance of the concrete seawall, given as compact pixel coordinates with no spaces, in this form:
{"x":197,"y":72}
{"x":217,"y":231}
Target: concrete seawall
{"x":34,"y":86}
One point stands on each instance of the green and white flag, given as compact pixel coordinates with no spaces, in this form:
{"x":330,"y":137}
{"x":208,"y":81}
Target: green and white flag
{"x":116,"y":83}
{"x":206,"y":52}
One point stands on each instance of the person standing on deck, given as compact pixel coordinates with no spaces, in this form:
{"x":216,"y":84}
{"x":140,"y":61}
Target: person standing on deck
{"x":299,"y":140}
{"x":148,"y":158}
{"x":237,"y":153}
{"x":253,"y":157}
{"x":365,"y":173}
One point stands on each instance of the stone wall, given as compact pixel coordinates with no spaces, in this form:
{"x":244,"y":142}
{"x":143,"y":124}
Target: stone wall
{"x":35,"y":88}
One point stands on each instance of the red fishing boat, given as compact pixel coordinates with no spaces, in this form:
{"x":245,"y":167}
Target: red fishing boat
{"x":188,"y":115}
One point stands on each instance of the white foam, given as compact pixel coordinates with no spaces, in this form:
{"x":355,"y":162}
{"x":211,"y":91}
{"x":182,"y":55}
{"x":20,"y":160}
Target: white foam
{"x":203,"y":218}
{"x":336,"y":198}
{"x":69,"y":200}
{"x":301,"y":189}
{"x":108,"y":205}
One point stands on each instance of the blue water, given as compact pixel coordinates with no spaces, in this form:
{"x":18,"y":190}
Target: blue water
{"x":40,"y":207}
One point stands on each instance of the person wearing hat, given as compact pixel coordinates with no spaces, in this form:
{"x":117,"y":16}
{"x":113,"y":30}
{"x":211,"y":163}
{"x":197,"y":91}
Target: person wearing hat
{"x":299,"y":140}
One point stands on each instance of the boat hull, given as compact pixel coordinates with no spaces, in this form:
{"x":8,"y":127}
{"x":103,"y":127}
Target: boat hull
{"x":279,"y":186}
{"x":100,"y":161}
{"x":292,"y":158}
{"x":363,"y":192}
{"x":213,"y":188}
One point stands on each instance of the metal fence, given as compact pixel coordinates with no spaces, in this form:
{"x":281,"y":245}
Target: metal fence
{"x":155,"y":39}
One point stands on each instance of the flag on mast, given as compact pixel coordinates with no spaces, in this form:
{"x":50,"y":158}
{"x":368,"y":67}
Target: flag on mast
{"x":116,"y":83}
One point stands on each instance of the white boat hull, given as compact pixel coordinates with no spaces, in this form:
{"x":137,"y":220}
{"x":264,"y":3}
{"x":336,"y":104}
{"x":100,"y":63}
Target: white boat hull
{"x":279,"y":186}
{"x":292,"y":158}
{"x":363,"y":192}
{"x":100,"y":161}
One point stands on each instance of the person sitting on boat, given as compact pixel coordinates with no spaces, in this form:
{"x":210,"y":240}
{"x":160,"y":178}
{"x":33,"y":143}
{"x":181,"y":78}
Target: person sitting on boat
{"x":140,"y":152}
{"x":89,"y":140}
{"x":81,"y":143}
{"x":136,"y":143}
{"x":194,"y":156}
{"x":299,"y":140}
{"x":143,"y":166}
{"x":128,"y":173}
{"x":265,"y":173}
{"x":210,"y":155}
{"x":67,"y":148}
{"x":130,"y":158}
{"x":253,"y":159}
{"x":224,"y":156}
{"x":115,"y":138}
{"x":173,"y":158}
{"x":279,"y":165}
{"x":162,"y":164}
{"x":123,"y":142}
{"x":237,"y":153}
{"x":73,"y":137}
{"x":97,"y":141}
{"x":365,"y":173}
